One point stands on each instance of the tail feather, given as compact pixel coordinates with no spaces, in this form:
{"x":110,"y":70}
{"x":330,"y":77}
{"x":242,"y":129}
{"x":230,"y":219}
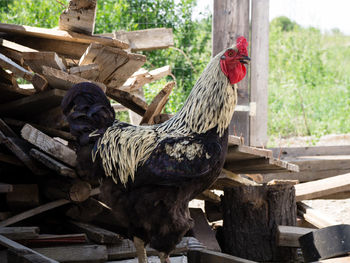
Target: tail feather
{"x":87,"y":110}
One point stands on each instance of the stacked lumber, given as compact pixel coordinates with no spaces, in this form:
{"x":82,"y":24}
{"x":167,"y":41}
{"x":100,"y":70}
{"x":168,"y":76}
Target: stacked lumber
{"x":46,"y":209}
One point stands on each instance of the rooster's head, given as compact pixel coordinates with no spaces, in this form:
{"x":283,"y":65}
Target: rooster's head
{"x":233,"y":60}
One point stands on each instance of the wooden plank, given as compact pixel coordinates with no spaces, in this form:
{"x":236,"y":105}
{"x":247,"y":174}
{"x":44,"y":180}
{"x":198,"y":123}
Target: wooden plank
{"x":118,"y":78}
{"x":89,"y":71}
{"x":51,"y":163}
{"x":315,"y":217}
{"x":334,"y":260}
{"x":77,"y":253}
{"x":68,"y":49}
{"x":209,"y":196}
{"x":157,"y":104}
{"x":20,"y":149}
{"x":35,"y":60}
{"x":231,"y":20}
{"x":63,"y":80}
{"x":202,"y":231}
{"x":20,"y":232}
{"x":49,"y":145}
{"x":79,"y":17}
{"x":97,"y":234}
{"x":6,"y":188}
{"x":243,"y":152}
{"x":235,"y":140}
{"x":24,"y":251}
{"x":55,"y":240}
{"x":60,"y":35}
{"x":127,"y":249}
{"x":290,"y":152}
{"x":153,"y":259}
{"x":34,"y":211}
{"x":130,"y":101}
{"x":148,"y":39}
{"x":259,"y":71}
{"x":14,"y":50}
{"x":323,"y":187}
{"x":108,"y":59}
{"x":288,"y":236}
{"x":207,"y":256}
{"x":6,"y":130}
{"x":50,"y":131}
{"x":32,"y":105}
{"x":142,"y":77}
{"x":230,"y":179}
{"x":260,"y":165}
{"x":23,"y":196}
{"x":10,"y":159}
{"x":38,"y":81}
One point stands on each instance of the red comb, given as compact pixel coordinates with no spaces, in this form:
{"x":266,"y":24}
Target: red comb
{"x":242,"y":45}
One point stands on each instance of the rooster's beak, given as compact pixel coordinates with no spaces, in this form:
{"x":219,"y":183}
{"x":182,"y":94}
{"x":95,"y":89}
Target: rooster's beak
{"x":245,"y":60}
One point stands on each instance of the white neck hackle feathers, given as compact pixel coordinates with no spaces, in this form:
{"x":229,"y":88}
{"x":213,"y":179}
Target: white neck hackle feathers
{"x":210,"y":104}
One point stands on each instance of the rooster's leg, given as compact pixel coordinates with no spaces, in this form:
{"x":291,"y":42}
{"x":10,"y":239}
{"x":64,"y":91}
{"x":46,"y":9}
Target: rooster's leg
{"x":140,"y":250}
{"x":164,"y":258}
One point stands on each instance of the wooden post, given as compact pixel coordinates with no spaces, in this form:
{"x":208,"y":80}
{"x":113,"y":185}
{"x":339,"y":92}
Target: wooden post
{"x":251,"y":217}
{"x":231,"y":20}
{"x":259,"y":71}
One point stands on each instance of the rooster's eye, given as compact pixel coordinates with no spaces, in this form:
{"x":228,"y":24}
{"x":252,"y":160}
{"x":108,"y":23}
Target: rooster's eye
{"x":230,"y":53}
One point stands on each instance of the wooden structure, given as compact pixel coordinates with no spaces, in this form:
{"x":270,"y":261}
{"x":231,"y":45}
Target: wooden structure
{"x":230,"y":20}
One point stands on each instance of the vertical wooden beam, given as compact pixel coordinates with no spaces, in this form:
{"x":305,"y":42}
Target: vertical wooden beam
{"x":231,"y":20}
{"x":259,"y":71}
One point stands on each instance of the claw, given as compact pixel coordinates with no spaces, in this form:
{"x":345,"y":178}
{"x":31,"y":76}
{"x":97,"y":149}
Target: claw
{"x":140,"y":250}
{"x":164,"y":258}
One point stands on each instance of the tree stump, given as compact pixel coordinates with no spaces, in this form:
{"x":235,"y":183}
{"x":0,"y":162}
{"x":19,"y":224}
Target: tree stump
{"x":251,"y":216}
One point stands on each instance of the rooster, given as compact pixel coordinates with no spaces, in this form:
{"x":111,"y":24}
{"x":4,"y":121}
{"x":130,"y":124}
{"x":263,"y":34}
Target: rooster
{"x":148,"y":174}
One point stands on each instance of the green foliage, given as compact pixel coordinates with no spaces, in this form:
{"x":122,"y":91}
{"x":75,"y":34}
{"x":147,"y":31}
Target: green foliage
{"x":284,"y":23}
{"x":309,"y":83}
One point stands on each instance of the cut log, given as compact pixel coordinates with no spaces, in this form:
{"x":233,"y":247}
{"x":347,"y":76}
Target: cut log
{"x":74,"y":190}
{"x":207,"y":256}
{"x":49,"y":145}
{"x":79,"y":17}
{"x":78,"y":253}
{"x":323,"y":187}
{"x":288,"y":236}
{"x":35,"y":60}
{"x":130,"y":101}
{"x":148,"y":39}
{"x":62,"y":80}
{"x":60,"y":35}
{"x":202,"y":231}
{"x":6,"y":188}
{"x":315,"y":217}
{"x":52,"y":164}
{"x":30,"y":106}
{"x":97,"y":234}
{"x":157,"y":104}
{"x":38,"y":81}
{"x":90,"y":71}
{"x":21,"y":232}
{"x":247,"y":237}
{"x":20,"y":252}
{"x":23,"y":196}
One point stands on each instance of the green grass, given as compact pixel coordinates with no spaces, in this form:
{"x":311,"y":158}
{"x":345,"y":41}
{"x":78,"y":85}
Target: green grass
{"x":309,"y":83}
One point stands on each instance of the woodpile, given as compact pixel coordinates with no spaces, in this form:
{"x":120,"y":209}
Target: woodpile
{"x":45,"y":206}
